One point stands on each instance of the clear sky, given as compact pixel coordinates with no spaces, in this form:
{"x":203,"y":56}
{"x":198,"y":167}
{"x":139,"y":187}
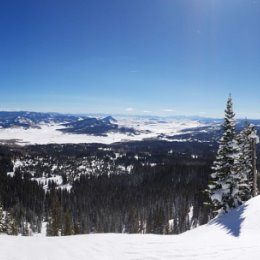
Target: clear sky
{"x":161,"y":57}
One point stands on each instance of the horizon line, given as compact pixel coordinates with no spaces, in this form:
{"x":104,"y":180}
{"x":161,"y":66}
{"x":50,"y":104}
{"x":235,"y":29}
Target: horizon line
{"x":126,"y":115}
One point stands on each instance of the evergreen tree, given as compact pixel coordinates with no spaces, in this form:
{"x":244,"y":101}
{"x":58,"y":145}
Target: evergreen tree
{"x":26,"y":229}
{"x":2,"y":219}
{"x":54,"y":225}
{"x":245,"y":161}
{"x":223,"y":188}
{"x":76,"y":228}
{"x":68,"y":225}
{"x":11,"y":225}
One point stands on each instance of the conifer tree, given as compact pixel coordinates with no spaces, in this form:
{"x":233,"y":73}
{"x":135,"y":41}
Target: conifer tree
{"x":2,"y":219}
{"x":54,"y":225}
{"x":26,"y":229}
{"x":223,"y":187}
{"x":68,"y":225}
{"x":245,"y":162}
{"x":11,"y":225}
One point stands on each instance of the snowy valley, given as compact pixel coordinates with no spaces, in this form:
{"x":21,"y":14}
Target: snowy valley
{"x":97,"y":175}
{"x":25,"y":128}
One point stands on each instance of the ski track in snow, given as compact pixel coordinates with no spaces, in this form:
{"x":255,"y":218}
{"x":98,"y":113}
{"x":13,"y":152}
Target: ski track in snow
{"x":233,"y":236}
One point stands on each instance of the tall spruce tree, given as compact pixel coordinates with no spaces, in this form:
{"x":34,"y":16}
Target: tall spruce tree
{"x":246,"y":171}
{"x":11,"y":225}
{"x":2,"y":219}
{"x":54,"y":225}
{"x":68,"y":225}
{"x":223,"y":188}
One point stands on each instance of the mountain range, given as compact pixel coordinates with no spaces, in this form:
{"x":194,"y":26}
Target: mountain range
{"x":68,"y":128}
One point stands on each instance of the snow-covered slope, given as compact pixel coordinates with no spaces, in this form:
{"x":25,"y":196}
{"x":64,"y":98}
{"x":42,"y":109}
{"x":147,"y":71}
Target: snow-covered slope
{"x":233,"y":236}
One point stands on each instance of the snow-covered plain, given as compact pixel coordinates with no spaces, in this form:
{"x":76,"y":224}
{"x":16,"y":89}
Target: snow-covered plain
{"x":47,"y":133}
{"x":233,"y":236}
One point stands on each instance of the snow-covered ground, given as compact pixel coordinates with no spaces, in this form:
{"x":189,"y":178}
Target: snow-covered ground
{"x":47,"y":133}
{"x":233,"y":236}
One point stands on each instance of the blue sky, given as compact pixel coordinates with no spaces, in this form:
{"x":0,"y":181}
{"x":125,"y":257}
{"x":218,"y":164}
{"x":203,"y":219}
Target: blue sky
{"x":161,"y":57}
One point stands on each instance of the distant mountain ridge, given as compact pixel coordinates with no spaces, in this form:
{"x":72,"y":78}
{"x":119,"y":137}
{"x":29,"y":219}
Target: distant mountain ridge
{"x":27,"y":119}
{"x":71,"y":123}
{"x":207,"y":130}
{"x":97,"y":126}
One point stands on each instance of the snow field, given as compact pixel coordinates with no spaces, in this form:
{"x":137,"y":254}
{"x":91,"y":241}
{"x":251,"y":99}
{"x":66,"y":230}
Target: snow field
{"x":47,"y":133}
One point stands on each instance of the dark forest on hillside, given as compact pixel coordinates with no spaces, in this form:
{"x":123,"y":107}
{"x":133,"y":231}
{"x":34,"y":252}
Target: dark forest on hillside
{"x":165,"y":198}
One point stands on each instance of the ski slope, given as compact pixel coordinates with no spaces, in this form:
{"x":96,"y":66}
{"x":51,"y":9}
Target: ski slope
{"x":233,"y":236}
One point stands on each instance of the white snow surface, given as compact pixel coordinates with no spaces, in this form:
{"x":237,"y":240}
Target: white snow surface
{"x":235,"y":235}
{"x":47,"y":133}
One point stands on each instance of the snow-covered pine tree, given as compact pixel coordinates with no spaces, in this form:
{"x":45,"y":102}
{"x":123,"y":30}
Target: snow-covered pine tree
{"x":11,"y":225}
{"x":254,"y":141}
{"x":2,"y":219}
{"x":246,"y":170}
{"x":245,"y":162}
{"x":223,"y":187}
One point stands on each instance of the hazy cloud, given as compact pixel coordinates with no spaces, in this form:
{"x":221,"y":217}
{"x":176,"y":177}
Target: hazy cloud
{"x":168,"y":110}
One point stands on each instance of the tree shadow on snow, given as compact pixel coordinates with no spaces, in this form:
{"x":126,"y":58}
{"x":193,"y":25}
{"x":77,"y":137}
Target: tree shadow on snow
{"x":231,"y":221}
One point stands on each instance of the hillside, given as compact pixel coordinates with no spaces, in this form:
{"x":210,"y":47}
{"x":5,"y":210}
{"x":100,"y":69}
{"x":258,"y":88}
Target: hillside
{"x":232,"y":236}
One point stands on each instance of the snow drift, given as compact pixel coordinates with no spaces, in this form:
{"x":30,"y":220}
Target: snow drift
{"x":235,"y":235}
